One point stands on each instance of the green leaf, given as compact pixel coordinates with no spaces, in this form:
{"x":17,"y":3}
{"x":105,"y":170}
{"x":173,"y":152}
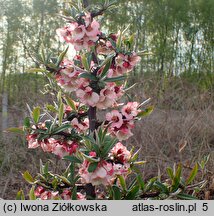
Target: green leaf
{"x":161,"y":187}
{"x":74,"y":193}
{"x":146,"y":112}
{"x":186,"y":196}
{"x":61,"y":128}
{"x":72,"y":159}
{"x":89,"y":76}
{"x":133,"y":193}
{"x":150,"y":184}
{"x":61,"y":56}
{"x":170,"y":173}
{"x":27,"y":176}
{"x":32,"y":194}
{"x":116,"y":192}
{"x":51,"y":108}
{"x":20,"y":195}
{"x":92,"y":167}
{"x":115,"y":79}
{"x":106,"y":68}
{"x":61,"y":113}
{"x":89,"y":158}
{"x":140,"y":182}
{"x":36,"y":114}
{"x":15,"y":130}
{"x":70,"y":103}
{"x":108,"y":146}
{"x":192,"y":174}
{"x":122,"y":182}
{"x":64,"y":179}
{"x":85,"y":62}
{"x":27,"y":122}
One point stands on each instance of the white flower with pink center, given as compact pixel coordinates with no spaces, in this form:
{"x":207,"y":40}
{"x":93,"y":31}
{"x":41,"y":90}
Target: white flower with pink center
{"x":120,"y":153}
{"x":87,"y":96}
{"x":92,"y":30}
{"x":66,"y":194}
{"x":64,"y":34}
{"x":126,"y":63}
{"x":78,"y":31}
{"x":48,"y":145}
{"x":107,"y":98}
{"x":115,"y":118}
{"x":103,"y":174}
{"x":81,"y":36}
{"x":32,"y":141}
{"x":124,"y":132}
{"x":80,"y":126}
{"x":130,"y":110}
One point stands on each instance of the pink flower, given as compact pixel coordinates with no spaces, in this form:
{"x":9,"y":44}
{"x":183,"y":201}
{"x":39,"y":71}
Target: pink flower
{"x":67,"y":76}
{"x":126,"y":63}
{"x":92,"y":30}
{"x":87,"y":96}
{"x":64,"y":34}
{"x":124,"y":132}
{"x":130,"y":110}
{"x":65,"y":148}
{"x":81,"y":36}
{"x":80,"y":126}
{"x":120,"y":153}
{"x":78,"y":31}
{"x":32,"y":141}
{"x":39,"y":190}
{"x":107,"y":98}
{"x":115,"y":118}
{"x":81,"y":196}
{"x":66,"y":194}
{"x":103,"y":174}
{"x":49,"y":195}
{"x":48,"y":145}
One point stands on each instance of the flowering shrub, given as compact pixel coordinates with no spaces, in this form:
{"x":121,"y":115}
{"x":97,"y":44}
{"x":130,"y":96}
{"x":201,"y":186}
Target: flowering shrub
{"x":100,"y":165}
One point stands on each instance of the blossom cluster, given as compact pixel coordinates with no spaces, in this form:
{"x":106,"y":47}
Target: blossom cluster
{"x":105,"y":171}
{"x":82,"y":34}
{"x":122,"y":122}
{"x":43,"y":194}
{"x":57,"y":147}
{"x":67,"y":78}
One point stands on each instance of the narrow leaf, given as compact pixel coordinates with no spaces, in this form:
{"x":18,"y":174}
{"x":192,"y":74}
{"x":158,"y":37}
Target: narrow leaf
{"x":72,"y":159}
{"x":92,"y":167}
{"x":15,"y":130}
{"x":122,"y":182}
{"x":186,"y":196}
{"x":61,"y":56}
{"x":133,"y":193}
{"x":70,"y":103}
{"x":88,"y":76}
{"x":36,"y":114}
{"x":20,"y":195}
{"x":116,"y":192}
{"x":61,"y":113}
{"x":192,"y":174}
{"x":85,"y":62}
{"x":115,"y":79}
{"x":27,"y":176}
{"x":32,"y":194}
{"x":146,"y":112}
